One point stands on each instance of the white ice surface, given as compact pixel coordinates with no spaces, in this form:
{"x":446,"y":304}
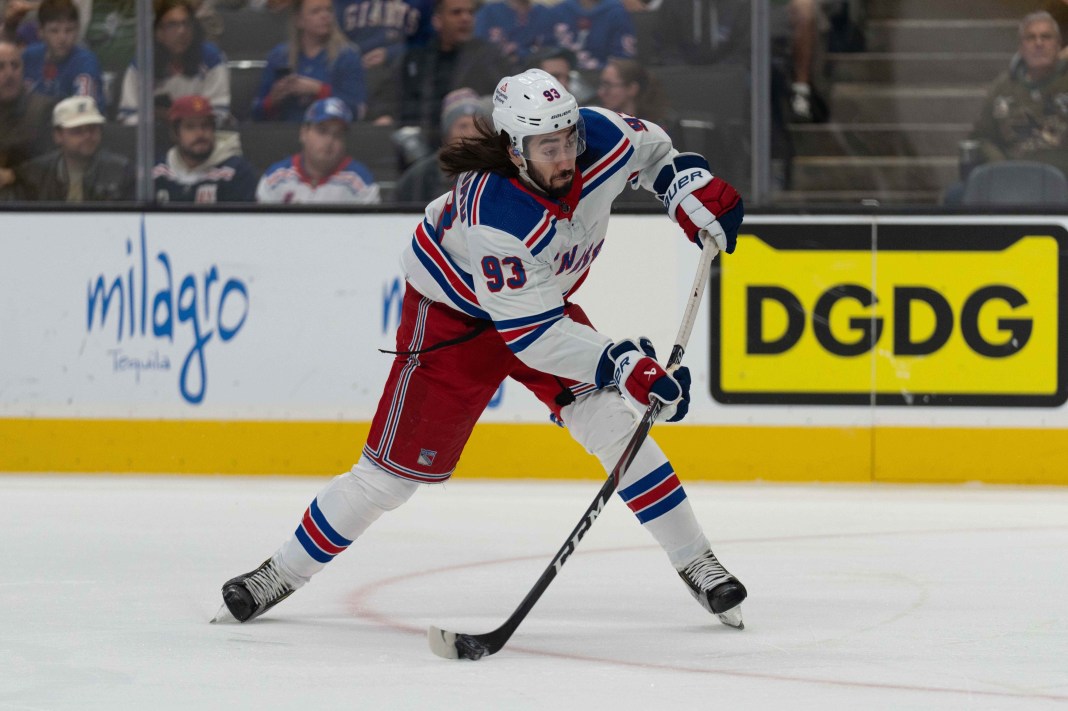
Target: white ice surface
{"x":862,"y":597}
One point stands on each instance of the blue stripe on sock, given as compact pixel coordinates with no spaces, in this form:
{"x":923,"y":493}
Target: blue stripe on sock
{"x":309,"y":546}
{"x":663,"y":506}
{"x":331,"y":535}
{"x":647,"y":482}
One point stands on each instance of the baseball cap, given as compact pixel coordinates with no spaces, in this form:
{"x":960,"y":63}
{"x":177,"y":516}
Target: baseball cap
{"x":331,"y":108}
{"x":76,"y":111}
{"x":191,"y":106}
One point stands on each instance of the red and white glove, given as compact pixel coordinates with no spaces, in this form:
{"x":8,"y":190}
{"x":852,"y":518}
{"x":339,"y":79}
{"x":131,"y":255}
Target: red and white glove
{"x":707,"y":208}
{"x":632,"y":367}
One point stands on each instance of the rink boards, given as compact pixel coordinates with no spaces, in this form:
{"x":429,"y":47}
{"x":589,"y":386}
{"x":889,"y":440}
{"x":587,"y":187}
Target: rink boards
{"x":828,"y":349}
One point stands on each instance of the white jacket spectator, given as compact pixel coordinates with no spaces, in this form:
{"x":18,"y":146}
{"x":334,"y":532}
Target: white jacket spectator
{"x":321,"y":172}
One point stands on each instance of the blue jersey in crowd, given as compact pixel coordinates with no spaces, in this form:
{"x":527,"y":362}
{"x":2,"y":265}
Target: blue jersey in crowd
{"x":517,"y":36}
{"x":595,"y":34}
{"x":77,"y":75}
{"x":342,"y":78}
{"x":371,"y":24}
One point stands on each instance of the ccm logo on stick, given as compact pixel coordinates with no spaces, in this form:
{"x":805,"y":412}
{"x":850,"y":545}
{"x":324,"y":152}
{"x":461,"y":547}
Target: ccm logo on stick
{"x":938,"y":314}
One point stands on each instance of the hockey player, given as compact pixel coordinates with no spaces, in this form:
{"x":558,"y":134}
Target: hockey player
{"x":491,"y":270}
{"x":322,"y":172}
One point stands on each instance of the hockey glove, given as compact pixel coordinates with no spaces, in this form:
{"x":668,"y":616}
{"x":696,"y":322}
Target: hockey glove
{"x":631,"y":367}
{"x":708,"y":208}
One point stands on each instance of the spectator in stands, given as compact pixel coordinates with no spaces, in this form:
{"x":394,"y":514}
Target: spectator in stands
{"x":519,"y":28}
{"x":317,"y":62}
{"x":557,"y":62}
{"x":24,"y":118}
{"x":595,"y":30}
{"x":424,"y":180}
{"x":108,"y":27}
{"x":322,"y":172}
{"x":795,"y":33}
{"x":454,"y":59}
{"x":562,"y":64}
{"x":80,"y":170}
{"x":184,"y":63}
{"x":111,"y":32}
{"x":628,"y":88}
{"x":197,"y":168}
{"x":381,"y":29}
{"x":57,"y":66}
{"x":1025,"y":115}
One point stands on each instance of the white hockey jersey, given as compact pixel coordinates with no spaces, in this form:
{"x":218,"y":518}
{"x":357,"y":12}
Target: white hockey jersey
{"x":494,"y":249}
{"x":287,"y":182}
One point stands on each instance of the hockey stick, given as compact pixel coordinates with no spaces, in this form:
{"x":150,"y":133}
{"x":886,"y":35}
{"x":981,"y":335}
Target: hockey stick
{"x":457,"y":645}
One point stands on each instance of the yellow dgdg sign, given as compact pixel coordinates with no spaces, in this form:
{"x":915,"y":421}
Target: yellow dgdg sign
{"x":937,"y":315}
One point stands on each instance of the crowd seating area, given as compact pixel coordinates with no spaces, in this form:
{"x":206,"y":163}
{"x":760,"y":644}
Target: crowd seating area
{"x":896,"y":92}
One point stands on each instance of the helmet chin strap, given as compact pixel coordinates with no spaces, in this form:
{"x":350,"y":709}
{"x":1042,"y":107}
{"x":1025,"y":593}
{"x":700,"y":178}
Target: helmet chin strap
{"x":524,"y":173}
{"x":529,"y":180}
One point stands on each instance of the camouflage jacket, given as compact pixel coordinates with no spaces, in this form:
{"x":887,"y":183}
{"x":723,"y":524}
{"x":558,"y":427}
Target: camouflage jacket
{"x":1023,"y":120}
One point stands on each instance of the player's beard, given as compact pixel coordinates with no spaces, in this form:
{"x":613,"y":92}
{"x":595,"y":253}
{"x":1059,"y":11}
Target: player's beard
{"x":559,"y":184}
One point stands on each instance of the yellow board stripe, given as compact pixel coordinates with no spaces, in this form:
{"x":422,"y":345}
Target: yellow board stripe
{"x":728,"y":453}
{"x":961,"y":454}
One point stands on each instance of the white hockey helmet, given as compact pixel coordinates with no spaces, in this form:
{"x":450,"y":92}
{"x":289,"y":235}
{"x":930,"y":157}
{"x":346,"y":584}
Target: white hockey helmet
{"x":532,"y":104}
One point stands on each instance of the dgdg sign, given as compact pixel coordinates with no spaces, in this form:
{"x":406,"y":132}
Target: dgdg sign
{"x":936,"y":315}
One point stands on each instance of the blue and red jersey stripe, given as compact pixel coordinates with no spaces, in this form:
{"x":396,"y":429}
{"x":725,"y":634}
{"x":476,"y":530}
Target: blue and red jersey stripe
{"x":518,"y":333}
{"x":542,"y":235}
{"x":456,"y":283}
{"x":603,"y":169}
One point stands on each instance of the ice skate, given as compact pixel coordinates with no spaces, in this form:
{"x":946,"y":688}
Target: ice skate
{"x":718,"y":591}
{"x":250,"y":595}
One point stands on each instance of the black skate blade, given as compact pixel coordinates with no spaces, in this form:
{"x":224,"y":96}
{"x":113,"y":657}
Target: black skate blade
{"x":450,"y":645}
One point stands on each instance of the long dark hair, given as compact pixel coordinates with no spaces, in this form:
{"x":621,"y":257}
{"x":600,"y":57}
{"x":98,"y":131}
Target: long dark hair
{"x":486,"y":151}
{"x":190,"y":60}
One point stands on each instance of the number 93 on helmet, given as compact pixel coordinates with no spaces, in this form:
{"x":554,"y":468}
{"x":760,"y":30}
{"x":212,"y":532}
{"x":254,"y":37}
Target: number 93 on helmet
{"x":535,"y":104}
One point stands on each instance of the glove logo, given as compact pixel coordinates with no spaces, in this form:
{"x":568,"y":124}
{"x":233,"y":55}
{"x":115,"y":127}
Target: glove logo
{"x":680,"y":182}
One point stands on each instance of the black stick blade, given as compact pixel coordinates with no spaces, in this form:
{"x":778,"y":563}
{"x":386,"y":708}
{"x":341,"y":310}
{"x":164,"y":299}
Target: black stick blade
{"x":450,"y":645}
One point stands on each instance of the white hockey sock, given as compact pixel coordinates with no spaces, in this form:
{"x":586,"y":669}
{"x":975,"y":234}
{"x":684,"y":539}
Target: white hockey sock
{"x":602,"y":423}
{"x":338,"y":515}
